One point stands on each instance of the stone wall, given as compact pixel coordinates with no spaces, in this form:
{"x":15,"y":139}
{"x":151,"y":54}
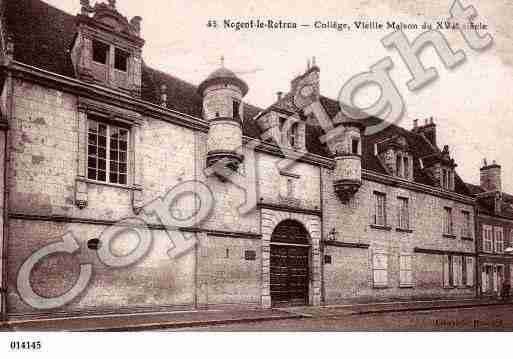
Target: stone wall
{"x":353,"y":224}
{"x":155,"y":281}
{"x":225,"y":275}
{"x":44,"y":154}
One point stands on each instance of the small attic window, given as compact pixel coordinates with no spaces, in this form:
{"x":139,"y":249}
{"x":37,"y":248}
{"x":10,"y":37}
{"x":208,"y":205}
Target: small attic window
{"x":355,"y":143}
{"x":100,"y":51}
{"x":121,"y":60}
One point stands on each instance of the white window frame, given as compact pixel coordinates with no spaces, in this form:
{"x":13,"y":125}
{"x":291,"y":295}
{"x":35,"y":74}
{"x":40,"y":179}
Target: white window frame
{"x":487,"y":238}
{"x":448,"y":222}
{"x":406,"y":271}
{"x":498,"y":239}
{"x":465,"y":230}
{"x":380,"y":269}
{"x":457,"y":270}
{"x":403,"y":213}
{"x":469,"y":264}
{"x":109,"y":126}
{"x":380,"y":220}
{"x":447,"y":272}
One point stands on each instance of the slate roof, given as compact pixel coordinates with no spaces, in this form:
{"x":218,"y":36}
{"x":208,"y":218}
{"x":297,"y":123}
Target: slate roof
{"x":43,"y":37}
{"x":486,"y":201}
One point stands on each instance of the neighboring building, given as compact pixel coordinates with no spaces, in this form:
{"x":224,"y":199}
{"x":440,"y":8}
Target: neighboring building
{"x":95,"y":136}
{"x":494,"y":233}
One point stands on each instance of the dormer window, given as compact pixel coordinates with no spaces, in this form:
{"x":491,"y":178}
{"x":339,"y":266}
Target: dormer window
{"x":121,"y":60}
{"x":447,"y":179}
{"x":107,"y":48}
{"x":355,"y":146}
{"x":291,"y":138}
{"x":406,"y":167}
{"x":402,"y":166}
{"x":292,"y":135}
{"x":398,"y":164}
{"x":100,"y":52}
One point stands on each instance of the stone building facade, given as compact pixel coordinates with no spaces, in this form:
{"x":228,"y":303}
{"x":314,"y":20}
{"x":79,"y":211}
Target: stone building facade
{"x":494,"y":233}
{"x":221,"y":203}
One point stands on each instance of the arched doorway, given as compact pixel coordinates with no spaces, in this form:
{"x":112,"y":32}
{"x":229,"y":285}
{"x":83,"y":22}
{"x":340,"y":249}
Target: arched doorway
{"x":290,"y":251}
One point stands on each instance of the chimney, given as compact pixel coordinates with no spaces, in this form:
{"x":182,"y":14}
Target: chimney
{"x":491,"y":177}
{"x":136,"y":24}
{"x":428,"y":130}
{"x":311,"y":78}
{"x":278,"y":95}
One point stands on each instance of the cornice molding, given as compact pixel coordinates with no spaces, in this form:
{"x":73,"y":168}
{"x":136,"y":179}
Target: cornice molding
{"x":443,"y":252}
{"x":100,"y":222}
{"x":346,"y":244}
{"x":104,"y":94}
{"x":397,"y":182}
{"x":285,"y":208}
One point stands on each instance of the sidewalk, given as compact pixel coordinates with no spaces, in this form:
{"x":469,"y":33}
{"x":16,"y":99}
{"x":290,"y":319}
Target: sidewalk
{"x":391,"y":307}
{"x":183,"y":319}
{"x":149,"y":321}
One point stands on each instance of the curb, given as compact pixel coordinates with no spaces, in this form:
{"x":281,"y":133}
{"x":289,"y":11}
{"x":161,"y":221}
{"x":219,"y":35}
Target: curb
{"x":168,"y":325}
{"x":159,"y":325}
{"x":455,"y":306}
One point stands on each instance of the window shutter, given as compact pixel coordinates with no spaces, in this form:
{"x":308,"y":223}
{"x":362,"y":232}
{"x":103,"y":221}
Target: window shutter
{"x":405,"y":270}
{"x":446,"y":271}
{"x":470,"y":271}
{"x":495,"y":286}
{"x":380,"y":269}
{"x":456,"y":270}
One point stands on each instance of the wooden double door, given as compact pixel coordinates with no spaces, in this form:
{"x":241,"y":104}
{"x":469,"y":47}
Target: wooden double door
{"x":289,"y":265}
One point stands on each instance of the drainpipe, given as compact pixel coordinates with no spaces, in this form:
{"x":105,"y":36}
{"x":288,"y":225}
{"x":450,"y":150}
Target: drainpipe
{"x":476,"y":264}
{"x":9,"y":86}
{"x":321,"y":245}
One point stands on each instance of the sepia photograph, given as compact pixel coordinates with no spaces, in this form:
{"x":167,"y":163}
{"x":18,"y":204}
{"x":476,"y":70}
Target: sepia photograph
{"x":259,"y":167}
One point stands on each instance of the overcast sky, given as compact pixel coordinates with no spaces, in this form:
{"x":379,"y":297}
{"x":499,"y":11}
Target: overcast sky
{"x":472,"y":104}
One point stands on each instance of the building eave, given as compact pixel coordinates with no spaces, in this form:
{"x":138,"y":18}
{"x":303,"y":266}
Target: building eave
{"x":100,"y":93}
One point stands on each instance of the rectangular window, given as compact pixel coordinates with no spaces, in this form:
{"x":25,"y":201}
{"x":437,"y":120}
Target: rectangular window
{"x":100,"y":52}
{"x":398,"y":164}
{"x":380,"y":269}
{"x":293,"y":135}
{"x":448,"y":271}
{"x":468,"y":271}
{"x":498,"y":240}
{"x":448,"y":222}
{"x":355,"y":144}
{"x":445,"y":179}
{"x":107,"y":153}
{"x":405,"y":270}
{"x":487,"y":239}
{"x":380,"y":218}
{"x":121,"y":60}
{"x":465,"y":230}
{"x":290,"y":188}
{"x":403,"y":213}
{"x":406,"y":167}
{"x":236,"y":109}
{"x":457,"y":269}
{"x":487,"y":278}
